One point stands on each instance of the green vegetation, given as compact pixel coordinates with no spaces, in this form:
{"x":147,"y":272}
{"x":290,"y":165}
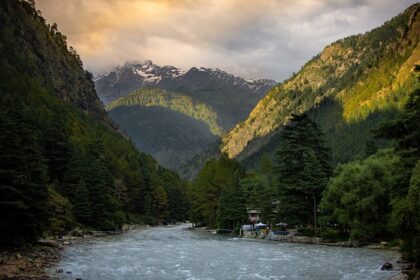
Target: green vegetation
{"x":303,"y":168}
{"x":373,"y":198}
{"x":171,"y":100}
{"x":211,"y":192}
{"x":358,"y":197}
{"x":62,"y":164}
{"x":348,"y":89}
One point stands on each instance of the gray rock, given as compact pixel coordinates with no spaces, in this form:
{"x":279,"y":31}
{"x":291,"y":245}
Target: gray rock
{"x":387,"y":266}
{"x":48,"y":242}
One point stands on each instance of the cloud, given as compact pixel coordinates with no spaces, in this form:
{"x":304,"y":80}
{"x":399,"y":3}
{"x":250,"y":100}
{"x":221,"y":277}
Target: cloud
{"x":266,"y":38}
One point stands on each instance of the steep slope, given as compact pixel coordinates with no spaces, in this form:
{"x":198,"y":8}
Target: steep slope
{"x":232,"y":98}
{"x":41,"y":52}
{"x":171,"y":100}
{"x":353,"y":85}
{"x":62,"y":163}
{"x":169,"y":126}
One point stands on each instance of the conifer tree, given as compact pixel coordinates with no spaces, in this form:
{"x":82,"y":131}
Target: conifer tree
{"x":302,"y":169}
{"x":23,"y":179}
{"x":232,"y":209}
{"x":81,"y":204}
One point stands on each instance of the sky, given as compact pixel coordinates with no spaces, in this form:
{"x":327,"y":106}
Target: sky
{"x":249,"y":38}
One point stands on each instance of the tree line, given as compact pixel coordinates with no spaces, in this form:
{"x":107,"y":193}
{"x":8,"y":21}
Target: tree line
{"x":371,"y":198}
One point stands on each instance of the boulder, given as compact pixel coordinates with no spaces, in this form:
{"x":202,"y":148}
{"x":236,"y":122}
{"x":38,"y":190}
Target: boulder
{"x":77,"y":232}
{"x":386,"y":266}
{"x":48,"y":242}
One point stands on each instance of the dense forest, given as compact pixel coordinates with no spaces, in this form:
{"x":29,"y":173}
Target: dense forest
{"x":374,"y":197}
{"x":334,"y":150}
{"x":63,"y":164}
{"x":351,"y":87}
{"x":171,"y":126}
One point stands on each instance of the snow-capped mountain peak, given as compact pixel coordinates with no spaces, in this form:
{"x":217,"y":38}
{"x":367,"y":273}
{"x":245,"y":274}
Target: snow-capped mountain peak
{"x":130,"y":76}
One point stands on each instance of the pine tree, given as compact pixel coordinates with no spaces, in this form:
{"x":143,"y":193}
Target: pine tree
{"x":23,"y":178}
{"x":100,"y":184}
{"x":232,"y":209}
{"x":81,"y":204}
{"x":405,"y":130}
{"x":302,"y":169}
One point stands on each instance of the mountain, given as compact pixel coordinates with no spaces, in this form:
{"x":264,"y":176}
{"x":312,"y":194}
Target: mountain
{"x":173,"y":114}
{"x":63,"y":164}
{"x":352,"y":86}
{"x":168,"y":125}
{"x":231,"y":97}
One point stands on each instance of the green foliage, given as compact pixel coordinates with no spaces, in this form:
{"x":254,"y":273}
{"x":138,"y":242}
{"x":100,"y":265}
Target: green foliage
{"x":61,"y":217}
{"x":62,"y":163}
{"x":171,"y":100}
{"x":302,"y":168}
{"x":261,"y":191}
{"x":206,"y":191}
{"x":304,"y":231}
{"x":178,"y":138}
{"x":23,"y":189}
{"x":405,"y":219}
{"x":359,"y":195}
{"x":348,"y":89}
{"x":232,"y":212}
{"x":330,"y":234}
{"x":406,"y":128}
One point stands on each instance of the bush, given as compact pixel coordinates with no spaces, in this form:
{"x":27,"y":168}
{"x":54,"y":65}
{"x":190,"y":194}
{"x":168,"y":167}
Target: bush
{"x":306,"y":232}
{"x":330,"y":234}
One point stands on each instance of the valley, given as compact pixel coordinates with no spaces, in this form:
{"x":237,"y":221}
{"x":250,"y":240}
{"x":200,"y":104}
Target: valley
{"x":176,"y":172}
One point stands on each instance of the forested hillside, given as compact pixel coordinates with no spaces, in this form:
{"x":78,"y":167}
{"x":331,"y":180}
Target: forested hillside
{"x":170,"y":126}
{"x":230,"y":97}
{"x":359,"y":95}
{"x":352,"y":86}
{"x":62,"y":163}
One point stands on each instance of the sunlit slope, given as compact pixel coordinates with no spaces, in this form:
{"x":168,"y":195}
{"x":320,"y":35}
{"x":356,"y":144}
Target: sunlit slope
{"x":170,"y":126}
{"x":361,"y":75}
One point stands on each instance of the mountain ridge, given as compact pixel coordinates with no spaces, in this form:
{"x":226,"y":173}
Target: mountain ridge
{"x":148,"y":74}
{"x":364,"y":73}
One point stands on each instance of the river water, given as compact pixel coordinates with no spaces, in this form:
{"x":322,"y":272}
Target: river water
{"x":177,"y":253}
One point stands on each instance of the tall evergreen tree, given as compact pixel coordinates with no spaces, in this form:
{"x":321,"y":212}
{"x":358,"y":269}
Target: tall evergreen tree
{"x":23,"y":178}
{"x":100,"y":187}
{"x":405,"y":130}
{"x":209,"y":185}
{"x":81,"y":204}
{"x":232,"y":209}
{"x":302,"y":168}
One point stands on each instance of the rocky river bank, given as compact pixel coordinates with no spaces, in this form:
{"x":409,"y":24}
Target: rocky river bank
{"x":32,"y":261}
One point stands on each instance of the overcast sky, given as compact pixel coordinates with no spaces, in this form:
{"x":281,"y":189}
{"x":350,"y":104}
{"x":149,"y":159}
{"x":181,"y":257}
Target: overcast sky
{"x":249,"y":38}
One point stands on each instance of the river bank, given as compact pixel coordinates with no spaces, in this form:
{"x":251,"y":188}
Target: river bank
{"x":28,"y":262}
{"x":174,"y":253}
{"x":66,"y":257}
{"x":32,"y":261}
{"x":407,"y":269}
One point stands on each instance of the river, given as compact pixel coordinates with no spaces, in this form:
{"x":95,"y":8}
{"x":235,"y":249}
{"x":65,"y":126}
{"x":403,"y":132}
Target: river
{"x":176,"y":253}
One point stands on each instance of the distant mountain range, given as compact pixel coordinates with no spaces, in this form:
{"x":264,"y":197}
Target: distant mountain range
{"x":154,"y":104}
{"x":231,"y":97}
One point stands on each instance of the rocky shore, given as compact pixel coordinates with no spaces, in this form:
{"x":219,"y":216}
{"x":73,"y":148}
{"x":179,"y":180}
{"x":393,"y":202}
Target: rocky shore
{"x":32,"y":261}
{"x":28,"y":262}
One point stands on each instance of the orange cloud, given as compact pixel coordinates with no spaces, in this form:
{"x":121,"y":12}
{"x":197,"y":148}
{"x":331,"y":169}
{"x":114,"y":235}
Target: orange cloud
{"x":268,"y":38}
